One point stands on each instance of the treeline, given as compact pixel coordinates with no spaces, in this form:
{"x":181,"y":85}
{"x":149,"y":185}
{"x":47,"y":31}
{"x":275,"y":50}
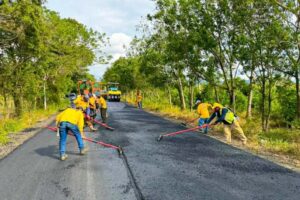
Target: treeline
{"x":41,"y":54}
{"x":244,"y":54}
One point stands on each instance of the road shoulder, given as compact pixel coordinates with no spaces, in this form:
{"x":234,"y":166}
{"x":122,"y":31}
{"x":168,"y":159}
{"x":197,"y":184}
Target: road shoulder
{"x":17,"y":139}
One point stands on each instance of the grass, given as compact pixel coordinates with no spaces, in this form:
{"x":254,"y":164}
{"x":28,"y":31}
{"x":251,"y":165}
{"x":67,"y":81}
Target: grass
{"x":280,"y":140}
{"x":12,"y":126}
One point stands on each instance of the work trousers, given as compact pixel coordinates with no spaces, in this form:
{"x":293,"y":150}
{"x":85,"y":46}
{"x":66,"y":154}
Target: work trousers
{"x":140,"y":104}
{"x":236,"y":126}
{"x":203,"y":121}
{"x":103,"y":112}
{"x":64,"y":127}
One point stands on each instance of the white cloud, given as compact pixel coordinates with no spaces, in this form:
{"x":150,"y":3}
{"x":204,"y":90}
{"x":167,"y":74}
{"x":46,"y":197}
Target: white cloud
{"x":117,"y":18}
{"x":117,"y":43}
{"x":116,"y":49}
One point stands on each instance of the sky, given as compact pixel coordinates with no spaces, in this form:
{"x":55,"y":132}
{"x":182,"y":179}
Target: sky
{"x":117,"y":18}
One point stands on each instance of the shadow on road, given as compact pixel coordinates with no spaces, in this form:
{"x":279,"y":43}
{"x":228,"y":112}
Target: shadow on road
{"x":50,"y":151}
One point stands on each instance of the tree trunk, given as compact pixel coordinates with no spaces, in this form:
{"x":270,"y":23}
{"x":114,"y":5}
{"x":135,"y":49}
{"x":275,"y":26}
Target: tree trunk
{"x":217,"y":99}
{"x":250,"y":97}
{"x":232,"y":99}
{"x":181,"y":94}
{"x":269,"y":105}
{"x":191,"y":91}
{"x":263,"y":97}
{"x":298,"y":93}
{"x":45,"y":97}
{"x":18,"y":105}
{"x":169,"y":95}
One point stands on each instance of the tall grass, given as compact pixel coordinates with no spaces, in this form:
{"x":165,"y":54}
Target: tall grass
{"x":14,"y":125}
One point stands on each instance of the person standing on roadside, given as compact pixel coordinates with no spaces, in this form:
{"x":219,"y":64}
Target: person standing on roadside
{"x":139,"y":99}
{"x":72,"y":120}
{"x":227,"y":117}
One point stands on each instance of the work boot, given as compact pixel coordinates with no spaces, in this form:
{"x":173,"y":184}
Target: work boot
{"x":83,"y":151}
{"x":63,"y":157}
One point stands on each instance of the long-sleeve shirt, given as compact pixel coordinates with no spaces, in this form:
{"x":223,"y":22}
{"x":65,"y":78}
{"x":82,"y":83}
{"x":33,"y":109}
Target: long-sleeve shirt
{"x":92,"y":102}
{"x":221,"y":116}
{"x":102,"y":102}
{"x":72,"y":116}
{"x":202,"y":110}
{"x":79,"y":102}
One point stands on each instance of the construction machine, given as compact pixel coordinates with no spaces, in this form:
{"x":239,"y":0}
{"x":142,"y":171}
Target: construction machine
{"x":100,"y":88}
{"x":84,"y":86}
{"x":114,"y":94}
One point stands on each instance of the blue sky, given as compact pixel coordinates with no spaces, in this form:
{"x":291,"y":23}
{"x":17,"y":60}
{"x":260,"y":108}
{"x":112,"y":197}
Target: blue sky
{"x":117,"y":18}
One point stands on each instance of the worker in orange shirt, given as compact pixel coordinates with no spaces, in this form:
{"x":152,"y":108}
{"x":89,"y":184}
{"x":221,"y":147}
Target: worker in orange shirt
{"x":139,"y":99}
{"x":202,"y":110}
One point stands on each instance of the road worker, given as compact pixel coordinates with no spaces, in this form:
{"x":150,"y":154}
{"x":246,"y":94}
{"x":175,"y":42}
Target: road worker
{"x":202,"y":110}
{"x":92,"y":105}
{"x":83,"y":101}
{"x":72,"y":120}
{"x":103,"y":108}
{"x":139,"y":99}
{"x":227,"y":117}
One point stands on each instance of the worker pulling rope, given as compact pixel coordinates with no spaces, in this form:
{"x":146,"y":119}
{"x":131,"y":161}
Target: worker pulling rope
{"x":119,"y":149}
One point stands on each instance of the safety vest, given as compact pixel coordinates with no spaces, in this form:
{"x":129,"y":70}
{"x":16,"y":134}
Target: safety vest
{"x":229,"y":116}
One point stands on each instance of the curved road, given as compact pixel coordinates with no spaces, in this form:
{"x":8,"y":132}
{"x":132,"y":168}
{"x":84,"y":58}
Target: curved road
{"x":184,"y":167}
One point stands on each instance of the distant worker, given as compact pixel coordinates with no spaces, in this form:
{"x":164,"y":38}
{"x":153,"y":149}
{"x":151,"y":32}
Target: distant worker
{"x":70,"y":119}
{"x":83,"y":101}
{"x":139,"y":99}
{"x":103,"y":107}
{"x":226,"y":116}
{"x":202,"y":110}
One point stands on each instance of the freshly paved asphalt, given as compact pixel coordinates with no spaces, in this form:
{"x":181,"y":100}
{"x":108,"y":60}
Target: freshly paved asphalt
{"x":185,"y":167}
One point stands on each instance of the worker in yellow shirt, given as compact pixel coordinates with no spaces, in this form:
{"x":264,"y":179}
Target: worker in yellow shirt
{"x":92,"y":104}
{"x":202,"y":110}
{"x":139,"y":99}
{"x":72,"y":120}
{"x":103,"y":108}
{"x":83,"y":101}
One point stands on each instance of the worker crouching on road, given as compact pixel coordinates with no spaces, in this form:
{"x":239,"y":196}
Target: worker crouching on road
{"x":70,"y":119}
{"x":227,"y":117}
{"x":202,"y":110}
{"x":103,"y":108}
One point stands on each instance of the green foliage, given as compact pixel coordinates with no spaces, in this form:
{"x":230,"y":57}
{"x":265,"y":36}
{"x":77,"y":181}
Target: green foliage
{"x":41,"y":50}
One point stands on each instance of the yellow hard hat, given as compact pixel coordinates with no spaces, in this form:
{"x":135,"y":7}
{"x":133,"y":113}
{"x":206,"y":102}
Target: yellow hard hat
{"x":215,"y":105}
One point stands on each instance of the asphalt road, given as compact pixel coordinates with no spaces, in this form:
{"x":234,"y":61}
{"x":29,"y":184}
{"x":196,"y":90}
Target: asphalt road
{"x":185,"y":167}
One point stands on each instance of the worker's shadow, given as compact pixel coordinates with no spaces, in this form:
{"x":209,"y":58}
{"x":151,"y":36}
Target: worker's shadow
{"x":50,"y":151}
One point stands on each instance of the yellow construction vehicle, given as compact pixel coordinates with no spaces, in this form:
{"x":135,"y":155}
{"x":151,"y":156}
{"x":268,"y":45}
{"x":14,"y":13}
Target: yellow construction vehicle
{"x":114,"y":94}
{"x":100,"y":88}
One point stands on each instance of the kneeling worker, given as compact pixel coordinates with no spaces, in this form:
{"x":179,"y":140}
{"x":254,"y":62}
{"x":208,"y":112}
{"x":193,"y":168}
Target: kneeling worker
{"x":70,"y":119}
{"x":226,"y":116}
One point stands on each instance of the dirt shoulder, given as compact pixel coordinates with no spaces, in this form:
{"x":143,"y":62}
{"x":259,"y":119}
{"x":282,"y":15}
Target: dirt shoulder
{"x":17,"y":139}
{"x":286,"y":161}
